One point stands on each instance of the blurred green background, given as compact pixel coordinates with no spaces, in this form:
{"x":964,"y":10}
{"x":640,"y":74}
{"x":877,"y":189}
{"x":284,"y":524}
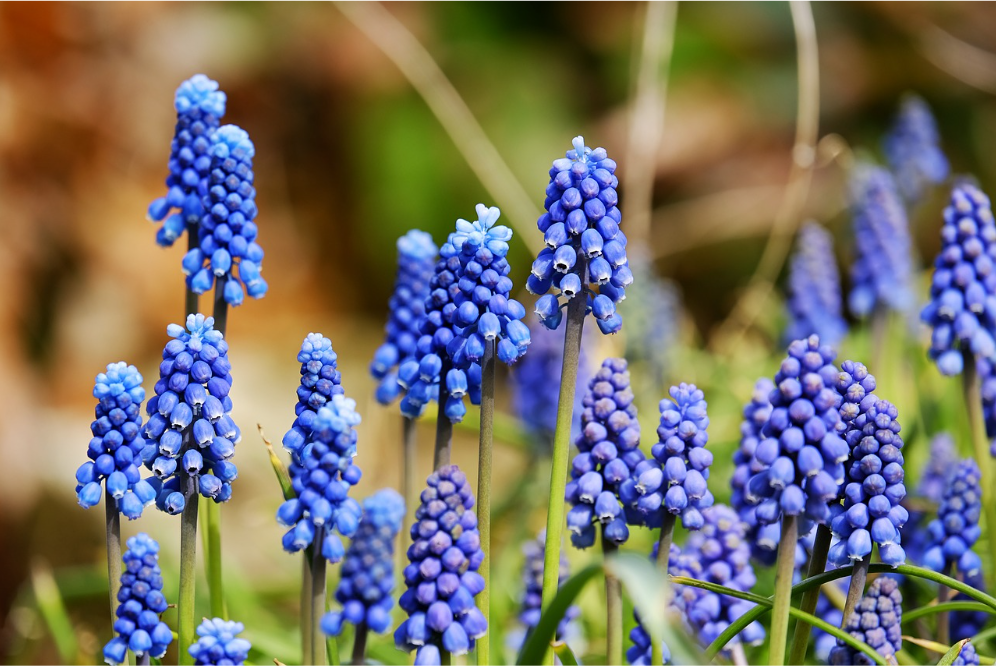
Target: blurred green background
{"x":349,"y":157}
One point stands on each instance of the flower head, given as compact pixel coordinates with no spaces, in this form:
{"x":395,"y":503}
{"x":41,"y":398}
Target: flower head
{"x":218,"y":643}
{"x":956,"y":528}
{"x":320,"y":381}
{"x":876,"y":621}
{"x":814,"y":303}
{"x":912,"y":148}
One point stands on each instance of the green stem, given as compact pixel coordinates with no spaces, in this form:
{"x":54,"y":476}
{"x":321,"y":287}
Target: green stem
{"x":318,"y":587}
{"x":943,"y":620}
{"x":113,"y":525}
{"x":444,"y":657}
{"x":331,"y":643}
{"x":188,"y":569}
{"x":613,"y":608}
{"x":817,"y":564}
{"x":409,"y":480}
{"x":972,"y":388}
{"x":663,"y":561}
{"x":783,"y":590}
{"x":212,"y":528}
{"x":190,"y":297}
{"x":444,"y":427}
{"x":306,"y":606}
{"x":360,"y":644}
{"x":859,"y":575}
{"x":146,"y":659}
{"x":484,"y":492}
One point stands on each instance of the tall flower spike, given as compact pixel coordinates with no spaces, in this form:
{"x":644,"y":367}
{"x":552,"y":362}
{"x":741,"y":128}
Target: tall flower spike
{"x":882,"y":273}
{"x":581,"y":228}
{"x":228,"y":227}
{"x":934,"y":476}
{"x":876,"y":621}
{"x":218,"y":643}
{"x":115,"y":450}
{"x":189,"y":417}
{"x":653,"y":314}
{"x":913,"y":150}
{"x":814,"y":303}
{"x":320,"y":381}
{"x":321,"y":482}
{"x":416,"y":259}
{"x":442,"y":576}
{"x":986,"y":369}
{"x":962,"y":307}
{"x":138,"y":626}
{"x":609,"y":452}
{"x":368,"y":572}
{"x":956,"y":528}
{"x":199,"y":105}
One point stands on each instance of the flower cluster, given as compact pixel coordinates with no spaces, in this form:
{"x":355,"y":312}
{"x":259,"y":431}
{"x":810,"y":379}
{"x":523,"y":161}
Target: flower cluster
{"x":986,"y":369}
{"x":876,"y":621}
{"x":814,"y":303}
{"x":442,"y":573}
{"x":913,"y":151}
{"x":609,"y":453}
{"x":532,"y":596}
{"x":802,"y":455}
{"x":218,"y":643}
{"x":416,"y":259}
{"x":321,"y":482}
{"x":933,"y":482}
{"x":189,"y":422}
{"x":882,"y":272}
{"x":585,"y":248}
{"x":199,"y":105}
{"x":653,"y":314}
{"x":962,"y":307}
{"x":228,"y":228}
{"x":956,"y":528}
{"x":138,"y":626}
{"x":320,"y":381}
{"x":116,"y":447}
{"x":368,"y":572}
{"x":967,"y":655}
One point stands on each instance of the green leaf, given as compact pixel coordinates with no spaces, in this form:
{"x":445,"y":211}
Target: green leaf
{"x":53,"y":610}
{"x":283,"y":477}
{"x":949,"y":657}
{"x":919,"y":612}
{"x":565,"y":654}
{"x":535,"y":648}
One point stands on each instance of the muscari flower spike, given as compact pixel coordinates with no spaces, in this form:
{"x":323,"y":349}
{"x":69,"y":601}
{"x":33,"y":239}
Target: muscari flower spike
{"x":933,"y":478}
{"x":199,"y":105}
{"x":962,"y":307}
{"x":814,"y":303}
{"x":956,"y":528}
{"x":189,"y":417}
{"x":986,"y":369}
{"x":228,"y":229}
{"x":876,"y":621}
{"x":913,"y":150}
{"x":321,"y":481}
{"x":367,"y":579}
{"x":609,"y":452}
{"x":882,"y":272}
{"x":967,"y":655}
{"x":442,"y":576}
{"x":416,"y":259}
{"x":320,"y":381}
{"x":115,"y":450}
{"x":653,"y":314}
{"x":218,"y":643}
{"x":138,"y":626}
{"x":802,"y":455}
{"x":581,"y":230}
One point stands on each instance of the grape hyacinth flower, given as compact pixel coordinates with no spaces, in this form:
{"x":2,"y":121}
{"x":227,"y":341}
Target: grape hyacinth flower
{"x":199,"y":106}
{"x":189,"y":426}
{"x":138,"y":626}
{"x":320,"y":382}
{"x":416,"y":259}
{"x":368,"y":571}
{"x":115,"y":451}
{"x":967,"y":655}
{"x":933,"y":481}
{"x":442,"y":576}
{"x":876,"y":621}
{"x":609,"y":451}
{"x":913,"y":151}
{"x":228,"y":229}
{"x":956,"y":528}
{"x":218,"y":643}
{"x":814,"y":303}
{"x":586,"y":252}
{"x":986,"y":370}
{"x":882,"y":272}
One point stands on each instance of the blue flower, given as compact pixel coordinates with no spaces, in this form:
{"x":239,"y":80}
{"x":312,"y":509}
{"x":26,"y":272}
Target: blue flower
{"x":138,"y":626}
{"x":320,"y":381}
{"x":218,"y":643}
{"x":609,"y":453}
{"x":442,"y":576}
{"x":956,"y":528}
{"x":967,"y":655}
{"x":228,"y":229}
{"x":199,"y":105}
{"x":115,"y":450}
{"x":876,"y":621}
{"x":814,"y":303}
{"x":189,"y":417}
{"x":962,"y":307}
{"x":416,"y":259}
{"x":934,"y":476}
{"x":581,"y":229}
{"x":368,"y":572}
{"x":986,"y":369}
{"x":882,"y":272}
{"x":653,"y":314}
{"x":913,"y":151}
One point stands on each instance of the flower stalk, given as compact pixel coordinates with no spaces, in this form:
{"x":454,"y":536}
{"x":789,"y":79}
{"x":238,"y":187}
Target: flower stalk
{"x":485,"y":452}
{"x":785,"y":565}
{"x":817,"y":565}
{"x":972,"y":391}
{"x":859,"y":575}
{"x":318,"y":593}
{"x":188,"y":563}
{"x":113,"y":525}
{"x":444,"y":427}
{"x":360,"y":644}
{"x":613,"y":608}
{"x":190,"y":303}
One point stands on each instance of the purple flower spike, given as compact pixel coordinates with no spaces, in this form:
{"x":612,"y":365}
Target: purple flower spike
{"x":956,"y":529}
{"x":814,"y":288}
{"x":913,"y":150}
{"x":138,"y":627}
{"x":876,"y":621}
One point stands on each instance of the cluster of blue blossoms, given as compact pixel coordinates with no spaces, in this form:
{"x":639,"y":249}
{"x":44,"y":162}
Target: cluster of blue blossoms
{"x":442,"y":576}
{"x":320,"y":381}
{"x":416,"y":259}
{"x":115,"y":451}
{"x":189,"y":417}
{"x":138,"y":626}
{"x":568,"y":630}
{"x":814,"y":303}
{"x":199,"y":106}
{"x":609,"y":452}
{"x":585,"y":250}
{"x":368,"y":571}
{"x":876,"y":621}
{"x":967,"y":655}
{"x":956,"y":528}
{"x":913,"y":150}
{"x":218,"y":643}
{"x":962,"y":309}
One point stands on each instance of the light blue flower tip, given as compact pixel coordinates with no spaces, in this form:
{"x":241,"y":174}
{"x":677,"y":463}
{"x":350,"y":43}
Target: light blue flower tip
{"x":200,"y":92}
{"x":578,"y":143}
{"x":230,"y":138}
{"x":417,"y":245}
